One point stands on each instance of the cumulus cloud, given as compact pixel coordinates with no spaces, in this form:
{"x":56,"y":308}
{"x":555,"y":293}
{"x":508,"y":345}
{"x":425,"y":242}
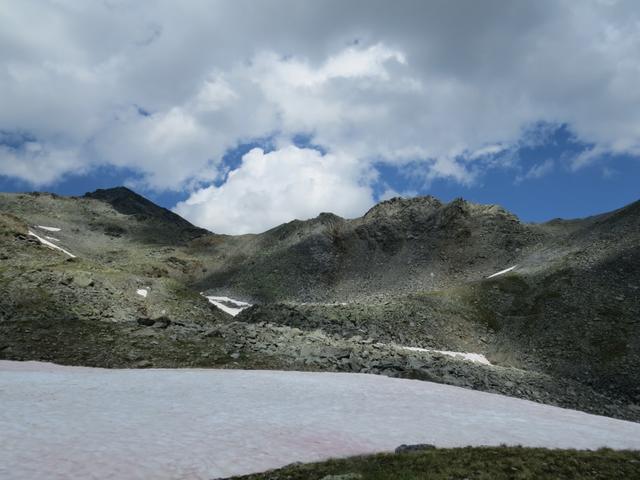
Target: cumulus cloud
{"x":272,"y":188}
{"x":38,"y":163}
{"x":448,"y":89}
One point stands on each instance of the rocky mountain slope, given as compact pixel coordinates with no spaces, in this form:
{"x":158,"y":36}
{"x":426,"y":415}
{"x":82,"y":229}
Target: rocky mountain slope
{"x":399,"y":246}
{"x":416,"y":272}
{"x":334,"y":294}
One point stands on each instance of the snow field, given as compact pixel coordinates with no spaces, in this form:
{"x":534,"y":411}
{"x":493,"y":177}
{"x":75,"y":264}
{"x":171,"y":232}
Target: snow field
{"x":81,"y":423}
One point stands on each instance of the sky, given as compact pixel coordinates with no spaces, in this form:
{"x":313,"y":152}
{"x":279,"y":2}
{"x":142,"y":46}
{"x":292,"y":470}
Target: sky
{"x":241,"y":115}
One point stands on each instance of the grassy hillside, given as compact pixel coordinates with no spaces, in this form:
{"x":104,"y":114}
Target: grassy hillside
{"x":496,"y":463}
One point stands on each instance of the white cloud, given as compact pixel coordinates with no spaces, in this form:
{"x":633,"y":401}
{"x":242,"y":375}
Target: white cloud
{"x":272,"y":188}
{"x":169,"y":147}
{"x":28,"y":159}
{"x":352,"y":62}
{"x":445,"y":87}
{"x":489,"y":150}
{"x":38,"y":164}
{"x":587,"y":157}
{"x":214,"y":95}
{"x":537,"y":171}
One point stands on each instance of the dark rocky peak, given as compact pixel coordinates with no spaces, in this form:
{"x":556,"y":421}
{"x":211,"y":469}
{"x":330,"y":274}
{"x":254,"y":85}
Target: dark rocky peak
{"x":457,"y":207}
{"x":398,"y":206}
{"x":463,"y":209}
{"x":282,"y":231}
{"x":298,"y":229}
{"x":125,"y":201}
{"x":424,"y":208}
{"x":327,"y":218}
{"x":128,"y":202}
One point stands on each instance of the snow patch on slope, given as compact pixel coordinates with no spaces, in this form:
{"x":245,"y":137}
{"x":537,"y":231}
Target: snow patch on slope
{"x":75,"y":423}
{"x":46,"y":242}
{"x":143,"y":292}
{"x":502,"y":272}
{"x":228,"y":305}
{"x":48,"y":229}
{"x":471,"y":357}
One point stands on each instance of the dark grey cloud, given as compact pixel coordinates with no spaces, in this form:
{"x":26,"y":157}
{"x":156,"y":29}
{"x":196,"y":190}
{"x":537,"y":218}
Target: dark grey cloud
{"x":428,"y":83}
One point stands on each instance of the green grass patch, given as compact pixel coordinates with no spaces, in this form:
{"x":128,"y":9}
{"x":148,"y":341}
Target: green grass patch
{"x":478,"y":463}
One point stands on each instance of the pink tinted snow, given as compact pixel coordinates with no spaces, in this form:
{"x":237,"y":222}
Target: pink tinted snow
{"x":77,"y":423}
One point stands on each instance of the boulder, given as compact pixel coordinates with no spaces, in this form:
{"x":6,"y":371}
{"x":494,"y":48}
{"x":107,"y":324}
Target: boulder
{"x":146,"y":322}
{"x":419,"y":447}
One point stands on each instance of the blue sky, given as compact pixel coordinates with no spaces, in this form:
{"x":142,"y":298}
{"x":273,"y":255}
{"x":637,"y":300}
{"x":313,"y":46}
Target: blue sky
{"x":238,"y":127}
{"x":108,"y":177}
{"x":610,"y":183}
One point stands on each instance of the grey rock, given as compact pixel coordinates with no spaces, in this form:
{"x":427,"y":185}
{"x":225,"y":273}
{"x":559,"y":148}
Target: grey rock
{"x":162,"y":322}
{"x":83,"y":280}
{"x":419,"y":447}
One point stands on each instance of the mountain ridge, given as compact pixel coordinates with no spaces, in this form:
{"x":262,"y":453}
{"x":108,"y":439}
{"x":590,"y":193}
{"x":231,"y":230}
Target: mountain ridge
{"x":124,"y":197}
{"x":560,"y":326}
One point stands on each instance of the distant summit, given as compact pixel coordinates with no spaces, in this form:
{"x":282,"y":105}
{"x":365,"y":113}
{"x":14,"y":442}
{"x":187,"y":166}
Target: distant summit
{"x":396,"y":205}
{"x":429,"y":206}
{"x":128,"y":202}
